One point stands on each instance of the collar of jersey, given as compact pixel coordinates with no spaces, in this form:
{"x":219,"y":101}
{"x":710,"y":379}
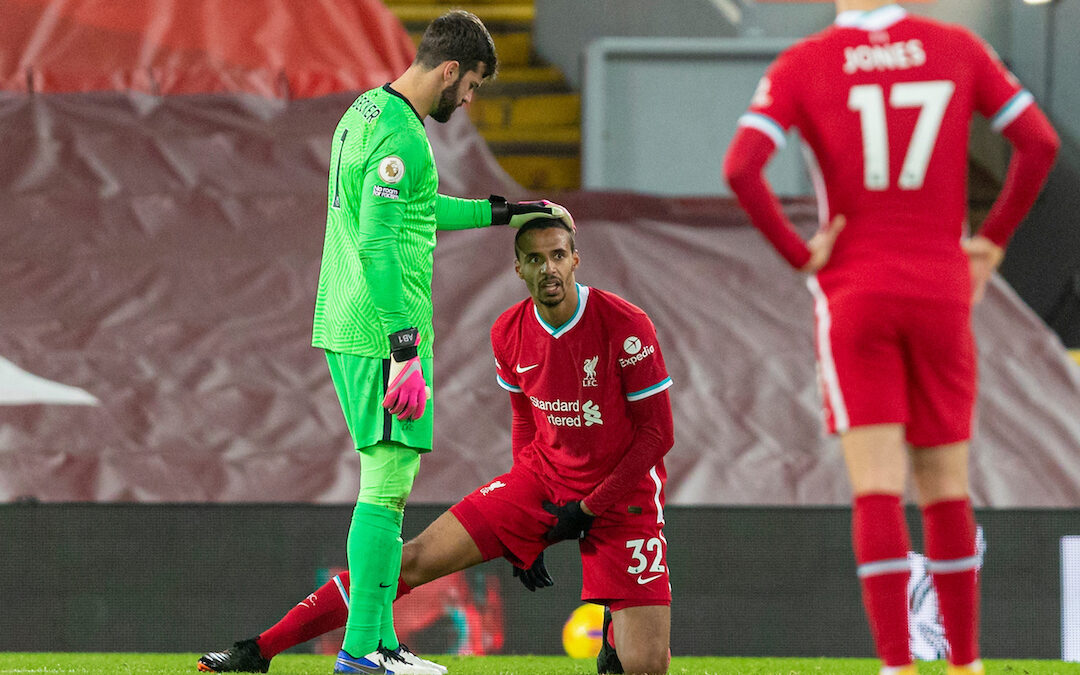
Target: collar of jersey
{"x":556,"y":332}
{"x":394,"y":92}
{"x":876,"y":19}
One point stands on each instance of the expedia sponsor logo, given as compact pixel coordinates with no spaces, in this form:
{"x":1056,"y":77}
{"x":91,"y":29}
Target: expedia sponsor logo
{"x":893,"y":56}
{"x":495,"y":485}
{"x":637,"y":358}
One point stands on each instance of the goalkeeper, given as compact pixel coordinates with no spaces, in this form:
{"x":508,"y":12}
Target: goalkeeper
{"x":373,"y":311}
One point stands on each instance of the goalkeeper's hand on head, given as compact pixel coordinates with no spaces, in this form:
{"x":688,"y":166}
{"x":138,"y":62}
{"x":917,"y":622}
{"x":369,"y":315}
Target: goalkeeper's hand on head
{"x":406,"y":392}
{"x":571,"y":521}
{"x":536,"y":576}
{"x":516,"y":214}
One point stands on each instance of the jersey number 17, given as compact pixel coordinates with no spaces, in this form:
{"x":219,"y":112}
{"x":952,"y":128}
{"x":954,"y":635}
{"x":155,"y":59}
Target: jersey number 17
{"x":931,"y":98}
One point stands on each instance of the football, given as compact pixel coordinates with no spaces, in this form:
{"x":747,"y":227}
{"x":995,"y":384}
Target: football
{"x":583,"y":631}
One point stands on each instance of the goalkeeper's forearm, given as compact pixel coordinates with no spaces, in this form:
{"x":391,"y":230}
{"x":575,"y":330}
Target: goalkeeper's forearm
{"x":455,"y":213}
{"x":382,"y":270}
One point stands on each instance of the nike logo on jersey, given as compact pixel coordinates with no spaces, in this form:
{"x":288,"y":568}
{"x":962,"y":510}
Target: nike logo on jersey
{"x":524,"y":369}
{"x":644,"y":580}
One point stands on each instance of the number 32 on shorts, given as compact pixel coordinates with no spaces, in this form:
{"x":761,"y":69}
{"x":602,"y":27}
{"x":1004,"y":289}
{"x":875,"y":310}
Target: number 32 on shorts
{"x":641,"y":551}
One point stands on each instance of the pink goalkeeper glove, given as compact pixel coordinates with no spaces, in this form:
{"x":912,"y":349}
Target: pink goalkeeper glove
{"x":406,"y":392}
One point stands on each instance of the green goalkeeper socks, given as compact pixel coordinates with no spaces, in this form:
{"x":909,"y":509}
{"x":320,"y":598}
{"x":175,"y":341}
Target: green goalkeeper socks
{"x":387,"y":634}
{"x":374,"y":547}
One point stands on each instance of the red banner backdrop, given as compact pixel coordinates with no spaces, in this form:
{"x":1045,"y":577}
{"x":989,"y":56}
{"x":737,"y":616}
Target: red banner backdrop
{"x":273,"y":49}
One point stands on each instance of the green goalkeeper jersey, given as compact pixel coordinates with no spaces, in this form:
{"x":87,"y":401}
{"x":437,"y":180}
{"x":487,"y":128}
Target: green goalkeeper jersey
{"x":382,"y":213}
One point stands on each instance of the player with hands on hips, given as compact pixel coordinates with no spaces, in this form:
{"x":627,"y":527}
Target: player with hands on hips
{"x":884,"y":101}
{"x":984,"y":256}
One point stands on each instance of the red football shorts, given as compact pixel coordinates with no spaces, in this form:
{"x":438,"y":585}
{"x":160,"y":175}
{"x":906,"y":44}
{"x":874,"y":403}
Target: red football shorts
{"x":885,"y":360}
{"x":623,"y":557}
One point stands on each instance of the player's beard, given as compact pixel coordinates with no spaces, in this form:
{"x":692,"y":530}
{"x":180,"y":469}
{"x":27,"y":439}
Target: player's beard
{"x":448,"y":102}
{"x":553,"y":300}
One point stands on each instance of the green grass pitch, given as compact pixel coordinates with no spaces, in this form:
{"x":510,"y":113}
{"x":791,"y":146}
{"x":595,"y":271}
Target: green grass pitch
{"x":501,"y":665}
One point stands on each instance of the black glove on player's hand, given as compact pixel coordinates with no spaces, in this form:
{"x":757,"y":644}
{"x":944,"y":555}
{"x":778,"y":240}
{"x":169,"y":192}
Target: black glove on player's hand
{"x":536,"y":576}
{"x":573,"y":522}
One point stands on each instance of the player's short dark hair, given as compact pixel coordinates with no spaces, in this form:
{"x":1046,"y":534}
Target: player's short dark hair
{"x":458,"y":36}
{"x":543,"y":224}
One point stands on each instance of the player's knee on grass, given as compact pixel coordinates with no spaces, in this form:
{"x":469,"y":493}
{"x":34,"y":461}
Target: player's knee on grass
{"x":642,"y":638}
{"x":638,"y":658}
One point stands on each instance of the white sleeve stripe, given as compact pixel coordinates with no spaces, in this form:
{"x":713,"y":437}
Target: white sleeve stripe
{"x":656,"y":497}
{"x":765,"y":125}
{"x":649,"y":391}
{"x":509,"y":387}
{"x":341,"y":589}
{"x":1011,"y":110}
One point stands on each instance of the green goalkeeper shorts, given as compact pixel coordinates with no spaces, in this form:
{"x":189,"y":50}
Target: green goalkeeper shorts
{"x":360,"y":383}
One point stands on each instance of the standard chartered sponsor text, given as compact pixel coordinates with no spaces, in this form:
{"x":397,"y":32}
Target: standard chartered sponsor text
{"x":557,"y":405}
{"x":591,"y":412}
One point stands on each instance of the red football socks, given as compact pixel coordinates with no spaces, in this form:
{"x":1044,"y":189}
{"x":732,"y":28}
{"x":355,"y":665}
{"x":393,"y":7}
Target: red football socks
{"x":402,"y":589}
{"x":949,"y":531}
{"x":321,"y":612}
{"x":880,"y":538}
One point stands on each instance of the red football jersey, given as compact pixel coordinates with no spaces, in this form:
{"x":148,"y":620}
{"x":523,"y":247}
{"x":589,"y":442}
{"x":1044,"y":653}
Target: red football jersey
{"x":884,"y":101}
{"x":579,"y":379}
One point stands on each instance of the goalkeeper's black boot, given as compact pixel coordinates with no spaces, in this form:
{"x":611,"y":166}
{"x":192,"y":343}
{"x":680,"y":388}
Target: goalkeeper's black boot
{"x":607,"y":661}
{"x":243,"y":657}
